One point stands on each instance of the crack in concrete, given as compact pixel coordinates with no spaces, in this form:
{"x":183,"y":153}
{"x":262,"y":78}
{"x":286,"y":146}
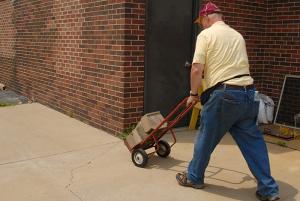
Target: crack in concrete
{"x":68,"y":186}
{"x":72,"y":172}
{"x":75,"y":195}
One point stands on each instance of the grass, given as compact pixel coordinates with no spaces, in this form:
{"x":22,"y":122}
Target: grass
{"x":282,"y":144}
{"x":4,"y":104}
{"x":126,"y":132}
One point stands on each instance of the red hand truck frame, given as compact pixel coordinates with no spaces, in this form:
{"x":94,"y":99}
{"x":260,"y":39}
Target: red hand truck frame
{"x":162,"y":148}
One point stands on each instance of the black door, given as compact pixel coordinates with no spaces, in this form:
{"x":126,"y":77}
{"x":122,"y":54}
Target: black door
{"x":170,"y":39}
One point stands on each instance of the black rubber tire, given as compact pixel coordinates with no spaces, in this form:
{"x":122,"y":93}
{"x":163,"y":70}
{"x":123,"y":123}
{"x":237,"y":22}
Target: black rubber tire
{"x":139,"y":157}
{"x":164,"y":149}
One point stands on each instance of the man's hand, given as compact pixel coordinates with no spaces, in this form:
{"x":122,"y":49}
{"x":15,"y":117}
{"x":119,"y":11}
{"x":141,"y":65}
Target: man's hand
{"x":192,"y":99}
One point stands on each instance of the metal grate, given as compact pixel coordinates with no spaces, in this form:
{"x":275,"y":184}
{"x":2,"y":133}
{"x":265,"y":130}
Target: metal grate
{"x":288,"y":110}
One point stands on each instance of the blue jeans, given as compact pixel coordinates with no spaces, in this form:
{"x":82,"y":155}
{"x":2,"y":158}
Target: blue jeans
{"x":234,"y":111}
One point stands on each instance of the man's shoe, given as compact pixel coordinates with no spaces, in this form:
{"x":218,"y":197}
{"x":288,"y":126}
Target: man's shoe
{"x":183,"y":181}
{"x":267,"y":198}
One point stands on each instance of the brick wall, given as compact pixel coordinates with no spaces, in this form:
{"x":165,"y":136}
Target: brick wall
{"x":82,"y":57}
{"x":281,"y":44}
{"x":7,"y":41}
{"x":86,"y":58}
{"x":8,"y":36}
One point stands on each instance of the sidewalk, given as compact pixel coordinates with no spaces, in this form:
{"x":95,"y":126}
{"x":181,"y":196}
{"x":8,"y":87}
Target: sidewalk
{"x":48,"y":156}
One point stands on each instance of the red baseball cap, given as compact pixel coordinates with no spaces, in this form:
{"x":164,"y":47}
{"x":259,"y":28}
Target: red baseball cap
{"x":208,"y":8}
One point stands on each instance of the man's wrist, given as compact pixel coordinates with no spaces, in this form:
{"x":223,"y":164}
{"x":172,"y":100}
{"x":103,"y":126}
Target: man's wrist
{"x":193,"y":94}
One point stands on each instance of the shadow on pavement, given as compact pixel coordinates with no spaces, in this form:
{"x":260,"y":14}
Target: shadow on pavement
{"x":169,"y":163}
{"x":213,"y":173}
{"x":287,"y":192}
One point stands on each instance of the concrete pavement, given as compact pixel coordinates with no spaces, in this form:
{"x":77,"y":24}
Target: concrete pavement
{"x":48,"y":156}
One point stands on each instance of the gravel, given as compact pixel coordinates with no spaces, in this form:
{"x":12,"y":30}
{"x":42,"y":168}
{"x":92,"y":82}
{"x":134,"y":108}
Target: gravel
{"x":8,"y":97}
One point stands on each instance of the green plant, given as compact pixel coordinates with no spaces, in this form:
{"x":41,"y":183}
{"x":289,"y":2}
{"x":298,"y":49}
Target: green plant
{"x":126,"y":131}
{"x":4,"y":104}
{"x":70,"y":113}
{"x":282,"y":144}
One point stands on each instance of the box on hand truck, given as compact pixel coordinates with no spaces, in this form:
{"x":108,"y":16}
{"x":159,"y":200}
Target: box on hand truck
{"x":148,"y":132}
{"x":147,"y":123}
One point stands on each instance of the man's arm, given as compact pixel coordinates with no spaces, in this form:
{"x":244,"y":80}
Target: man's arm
{"x":196,"y":77}
{"x":196,"y":81}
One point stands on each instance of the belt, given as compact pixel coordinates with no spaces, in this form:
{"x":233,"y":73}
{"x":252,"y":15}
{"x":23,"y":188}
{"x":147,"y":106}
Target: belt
{"x":236,"y":87}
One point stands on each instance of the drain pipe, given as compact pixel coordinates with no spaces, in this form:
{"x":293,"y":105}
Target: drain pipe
{"x":2,"y":86}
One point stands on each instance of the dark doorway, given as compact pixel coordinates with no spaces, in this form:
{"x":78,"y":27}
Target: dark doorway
{"x":170,"y":39}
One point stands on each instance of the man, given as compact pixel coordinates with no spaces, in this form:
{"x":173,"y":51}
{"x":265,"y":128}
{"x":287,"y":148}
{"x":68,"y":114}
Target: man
{"x":221,"y":53}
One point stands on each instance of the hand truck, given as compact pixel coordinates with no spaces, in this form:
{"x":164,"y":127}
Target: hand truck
{"x":162,"y":148}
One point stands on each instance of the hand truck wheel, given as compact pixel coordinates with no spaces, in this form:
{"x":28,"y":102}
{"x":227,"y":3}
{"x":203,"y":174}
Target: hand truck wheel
{"x":139,"y":157}
{"x":164,"y":149}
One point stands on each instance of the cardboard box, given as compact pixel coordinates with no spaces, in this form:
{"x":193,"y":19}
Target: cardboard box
{"x":136,"y":136}
{"x":130,"y":141}
{"x":151,"y":120}
{"x":147,"y":123}
{"x":139,"y":132}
